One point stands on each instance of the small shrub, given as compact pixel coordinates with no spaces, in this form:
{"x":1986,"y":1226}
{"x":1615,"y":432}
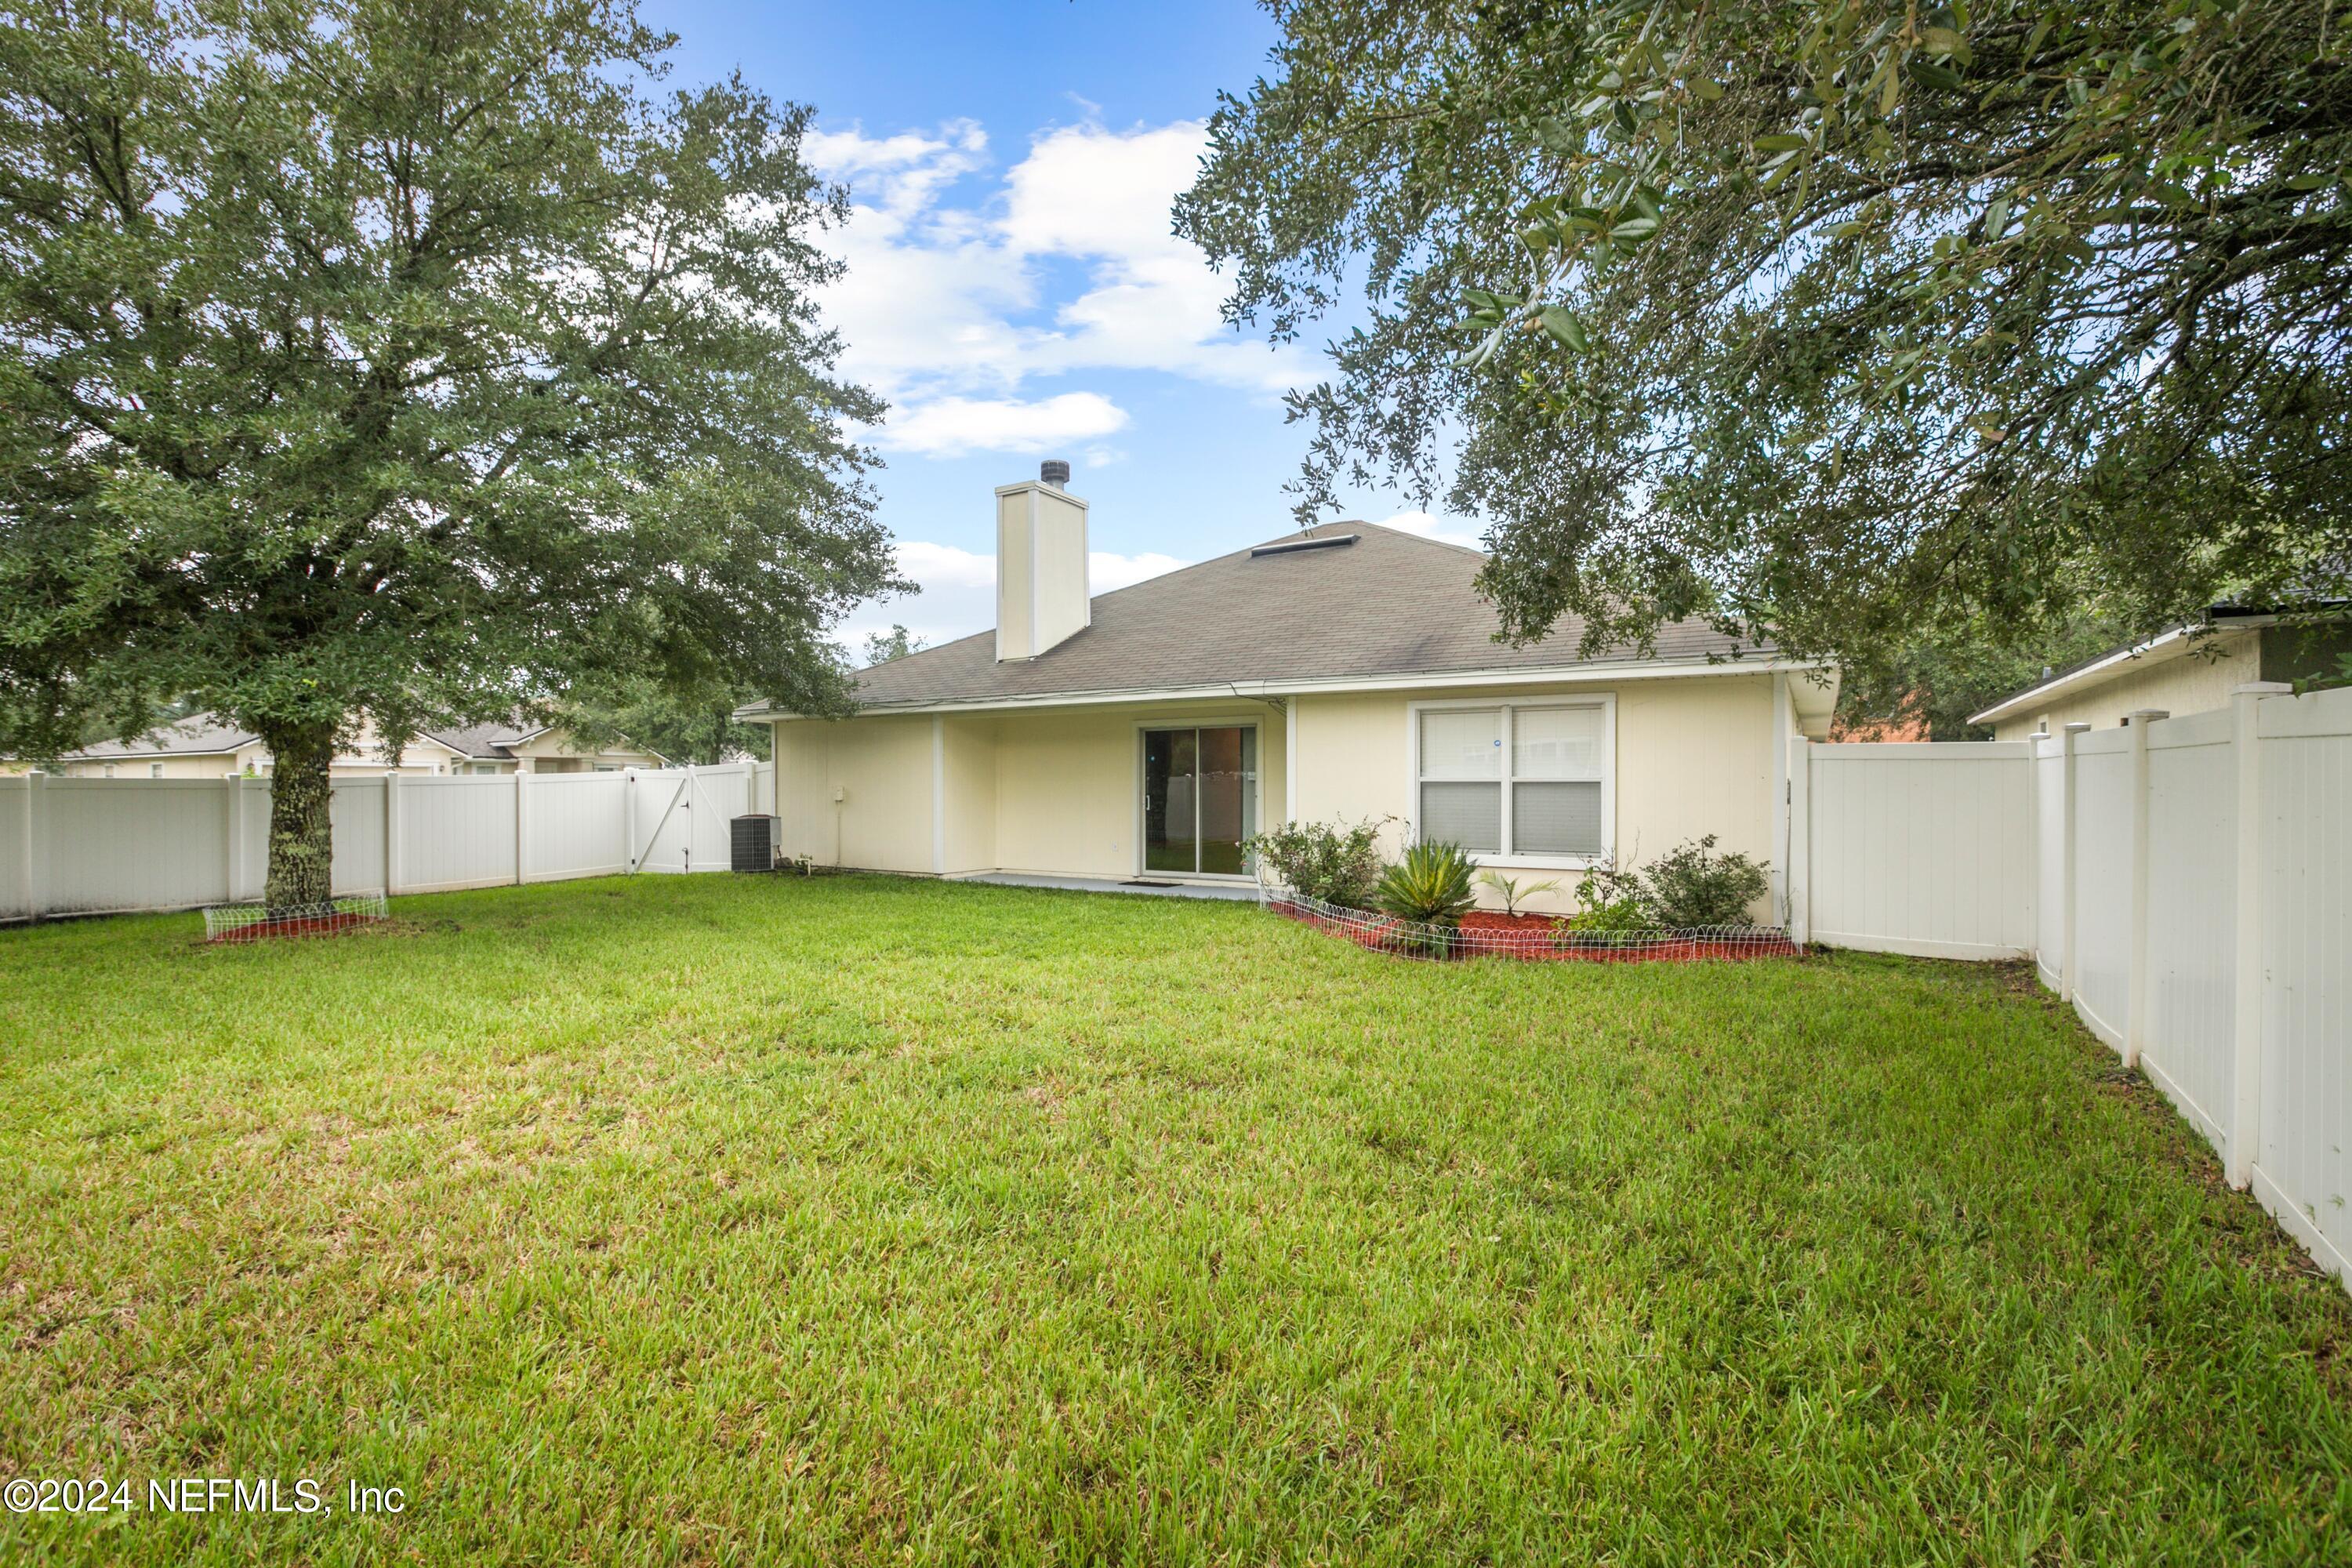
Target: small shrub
{"x":1508,"y":889}
{"x":1339,"y":865}
{"x":1431,"y":885}
{"x":1610,"y":904}
{"x":1693,"y":886}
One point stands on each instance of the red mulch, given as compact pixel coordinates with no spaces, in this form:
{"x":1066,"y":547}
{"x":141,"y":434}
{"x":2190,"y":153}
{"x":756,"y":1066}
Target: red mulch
{"x":319,"y":925}
{"x":1489,"y":934}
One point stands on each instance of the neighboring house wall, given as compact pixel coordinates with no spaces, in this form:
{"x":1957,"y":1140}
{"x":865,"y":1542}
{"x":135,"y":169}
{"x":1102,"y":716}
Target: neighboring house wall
{"x":1057,"y":792}
{"x":554,"y":753}
{"x":2193,"y":682}
{"x":197,"y":767}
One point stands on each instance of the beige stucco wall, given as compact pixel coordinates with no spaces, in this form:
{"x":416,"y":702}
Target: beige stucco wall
{"x":2193,"y":682}
{"x":967,"y":765}
{"x":881,"y":767}
{"x":1069,"y":783}
{"x":1694,"y":756}
{"x":1056,"y":791}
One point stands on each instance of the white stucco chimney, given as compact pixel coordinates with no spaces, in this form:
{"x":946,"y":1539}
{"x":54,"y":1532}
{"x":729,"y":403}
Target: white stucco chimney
{"x":1041,"y":564}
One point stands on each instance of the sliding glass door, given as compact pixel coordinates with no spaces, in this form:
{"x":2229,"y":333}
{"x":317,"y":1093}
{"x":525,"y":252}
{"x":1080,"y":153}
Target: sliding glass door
{"x":1200,"y":798}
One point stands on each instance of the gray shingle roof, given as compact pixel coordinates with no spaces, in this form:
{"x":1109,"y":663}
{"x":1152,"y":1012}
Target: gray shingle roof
{"x":197,"y":735}
{"x":1392,"y":604}
{"x":484,"y":739}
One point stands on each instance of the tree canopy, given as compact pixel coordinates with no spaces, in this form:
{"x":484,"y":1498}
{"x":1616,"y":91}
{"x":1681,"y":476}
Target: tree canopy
{"x":408,"y":361}
{"x":1841,"y":323}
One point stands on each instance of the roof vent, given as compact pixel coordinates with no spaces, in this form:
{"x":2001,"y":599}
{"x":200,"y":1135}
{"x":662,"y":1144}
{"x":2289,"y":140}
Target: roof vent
{"x":1055,"y":472}
{"x":1293,"y":546}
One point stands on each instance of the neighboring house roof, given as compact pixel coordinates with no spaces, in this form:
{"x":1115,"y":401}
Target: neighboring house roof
{"x":197,"y":735}
{"x":2187,"y":638}
{"x":487,"y":742}
{"x":1391,"y":604}
{"x":200,"y":735}
{"x":497,"y":742}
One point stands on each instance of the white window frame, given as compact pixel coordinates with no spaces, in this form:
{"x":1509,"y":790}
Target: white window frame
{"x":1606,"y":701}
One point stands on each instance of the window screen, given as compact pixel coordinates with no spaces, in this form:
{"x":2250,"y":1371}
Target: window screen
{"x":1470,"y":815}
{"x":1562,"y":819}
{"x":1556,"y":742}
{"x":1465,"y":744}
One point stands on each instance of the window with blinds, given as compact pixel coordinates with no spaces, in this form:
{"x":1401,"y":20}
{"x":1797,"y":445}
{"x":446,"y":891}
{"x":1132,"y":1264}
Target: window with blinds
{"x":1519,"y":779}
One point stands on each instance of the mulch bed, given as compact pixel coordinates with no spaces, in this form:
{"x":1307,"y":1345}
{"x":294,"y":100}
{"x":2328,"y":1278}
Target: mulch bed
{"x":309,"y":925}
{"x":1489,"y":934}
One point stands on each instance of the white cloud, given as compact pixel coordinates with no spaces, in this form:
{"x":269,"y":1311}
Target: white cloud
{"x":946,"y":298}
{"x":1106,"y":570}
{"x":1444,"y":529}
{"x":958,"y":595}
{"x":952,"y":426}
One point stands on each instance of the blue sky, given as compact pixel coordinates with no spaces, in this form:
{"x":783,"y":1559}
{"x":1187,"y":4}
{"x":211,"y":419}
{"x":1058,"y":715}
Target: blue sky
{"x":1013,"y":289}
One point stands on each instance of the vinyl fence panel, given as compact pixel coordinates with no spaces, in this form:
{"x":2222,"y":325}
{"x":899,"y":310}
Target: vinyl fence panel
{"x":73,"y":845}
{"x":2303,"y":1159}
{"x":2102,"y":836}
{"x":356,"y":813}
{"x":457,"y":832}
{"x":2192,"y":895}
{"x":15,"y":849}
{"x":1918,"y":849}
{"x":574,"y":825}
{"x":2048,"y":859}
{"x":132,"y":844}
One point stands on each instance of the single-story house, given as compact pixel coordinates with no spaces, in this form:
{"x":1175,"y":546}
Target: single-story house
{"x":200,"y":747}
{"x":1341,"y":673}
{"x":2192,"y":669}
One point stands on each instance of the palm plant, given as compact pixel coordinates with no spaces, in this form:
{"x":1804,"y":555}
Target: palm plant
{"x":1430,"y":886}
{"x":1511,"y":892}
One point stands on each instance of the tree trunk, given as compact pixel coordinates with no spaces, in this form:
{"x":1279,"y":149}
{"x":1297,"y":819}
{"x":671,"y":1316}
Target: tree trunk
{"x":301,"y":841}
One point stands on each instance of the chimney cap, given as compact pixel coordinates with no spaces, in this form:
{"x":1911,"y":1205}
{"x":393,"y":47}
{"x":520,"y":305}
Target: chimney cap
{"x":1055,"y":472}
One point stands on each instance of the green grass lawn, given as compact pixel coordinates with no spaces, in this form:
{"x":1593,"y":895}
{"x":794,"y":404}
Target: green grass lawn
{"x":859,"y":1220}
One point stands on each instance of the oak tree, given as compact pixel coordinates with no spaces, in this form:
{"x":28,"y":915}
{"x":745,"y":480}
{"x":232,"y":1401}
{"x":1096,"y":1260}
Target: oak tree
{"x":405,"y":361}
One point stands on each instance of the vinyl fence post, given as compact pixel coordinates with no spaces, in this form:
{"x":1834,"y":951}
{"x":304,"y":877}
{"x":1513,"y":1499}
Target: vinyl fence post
{"x":629,"y":815}
{"x":390,"y":833}
{"x":2246,"y":992}
{"x":2073,"y":964}
{"x":686,"y":799}
{"x":1800,"y":840}
{"x":2041,"y":894}
{"x":2136,"y":978}
{"x":521,"y":824}
{"x":36,"y":838}
{"x":233,"y":839}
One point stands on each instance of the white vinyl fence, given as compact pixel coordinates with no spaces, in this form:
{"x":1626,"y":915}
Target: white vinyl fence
{"x":82,"y":846}
{"x":2184,"y":883}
